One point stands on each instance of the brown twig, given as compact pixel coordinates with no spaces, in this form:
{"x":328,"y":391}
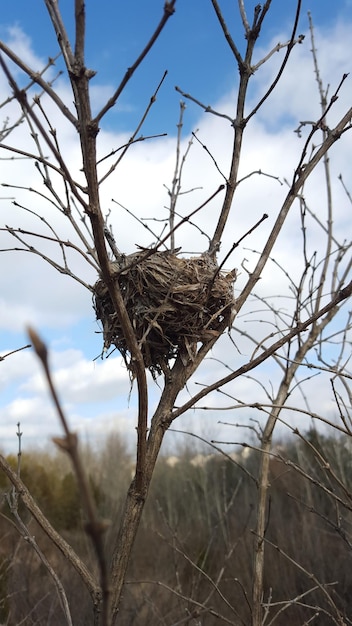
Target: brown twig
{"x":22,"y":100}
{"x":341,"y":296}
{"x":37,"y":78}
{"x":132,"y":140}
{"x":3,"y":356}
{"x":95,"y":527}
{"x":169,"y":9}
{"x":12,"y":498}
{"x":48,"y":529}
{"x":290,"y":46}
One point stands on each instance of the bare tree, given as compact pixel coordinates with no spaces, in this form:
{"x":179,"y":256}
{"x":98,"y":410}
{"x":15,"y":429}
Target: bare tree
{"x":163,"y":311}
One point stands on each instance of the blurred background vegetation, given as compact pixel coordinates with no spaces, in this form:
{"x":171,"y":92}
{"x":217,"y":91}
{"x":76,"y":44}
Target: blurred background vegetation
{"x":195,"y":543}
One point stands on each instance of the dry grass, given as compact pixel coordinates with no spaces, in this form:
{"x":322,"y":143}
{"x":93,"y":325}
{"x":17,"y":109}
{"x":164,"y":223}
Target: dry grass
{"x":173,"y":304}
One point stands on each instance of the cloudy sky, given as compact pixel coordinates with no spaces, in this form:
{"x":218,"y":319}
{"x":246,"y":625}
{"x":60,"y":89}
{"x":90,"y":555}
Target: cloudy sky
{"x":95,"y":391}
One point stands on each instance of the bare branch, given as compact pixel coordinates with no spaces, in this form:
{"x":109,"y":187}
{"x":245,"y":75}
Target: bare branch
{"x":207,"y":108}
{"x":37,"y":78}
{"x":3,"y":356}
{"x":133,"y":138}
{"x":55,"y":537}
{"x":95,"y":527}
{"x":169,"y":9}
{"x":226,"y":32}
{"x":343,"y":295}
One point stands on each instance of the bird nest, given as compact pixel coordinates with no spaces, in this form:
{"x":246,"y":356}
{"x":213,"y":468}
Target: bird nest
{"x":173,"y":304}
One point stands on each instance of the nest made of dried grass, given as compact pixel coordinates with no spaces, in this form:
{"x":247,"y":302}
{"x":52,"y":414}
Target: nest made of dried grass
{"x":173,"y":303}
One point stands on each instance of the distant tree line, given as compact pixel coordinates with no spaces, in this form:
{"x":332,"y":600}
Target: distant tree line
{"x":193,"y":549}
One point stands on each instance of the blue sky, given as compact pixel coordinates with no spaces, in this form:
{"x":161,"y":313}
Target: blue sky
{"x":197,"y":59}
{"x":190,"y":48}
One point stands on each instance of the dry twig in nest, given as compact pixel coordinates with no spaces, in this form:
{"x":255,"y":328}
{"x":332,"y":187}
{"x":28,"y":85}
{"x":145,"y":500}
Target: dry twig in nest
{"x":173,"y":304}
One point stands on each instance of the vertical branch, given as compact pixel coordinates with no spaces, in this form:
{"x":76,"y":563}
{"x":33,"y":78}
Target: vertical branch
{"x":80,"y":30}
{"x":290,"y":45}
{"x":135,"y":501}
{"x":263,"y":481}
{"x":176,"y":183}
{"x":284,"y":389}
{"x":61,"y":34}
{"x":263,"y":486}
{"x":80,"y":76}
{"x":240,"y":121}
{"x":323,"y":104}
{"x":245,"y":71}
{"x":88,"y":130}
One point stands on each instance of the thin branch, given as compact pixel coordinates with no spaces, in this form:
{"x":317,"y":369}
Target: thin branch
{"x":3,"y":356}
{"x":290,"y":46}
{"x":183,"y":597}
{"x":237,"y":243}
{"x":37,"y":78}
{"x":12,"y":498}
{"x":300,"y":177}
{"x":22,"y":99}
{"x":226,"y":32}
{"x":339,"y":619}
{"x":55,"y":537}
{"x":95,"y":527}
{"x":206,"y":107}
{"x":244,"y":17}
{"x":133,"y":139}
{"x":342,"y":295}
{"x":277,"y":48}
{"x":169,"y":9}
{"x":210,"y":154}
{"x":61,"y":34}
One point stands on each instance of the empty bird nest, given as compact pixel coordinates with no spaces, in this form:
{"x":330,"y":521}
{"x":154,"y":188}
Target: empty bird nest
{"x":173,"y":303}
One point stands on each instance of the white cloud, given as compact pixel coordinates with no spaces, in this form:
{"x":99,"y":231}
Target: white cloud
{"x":89,"y":391}
{"x":81,"y":381}
{"x":22,"y":44}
